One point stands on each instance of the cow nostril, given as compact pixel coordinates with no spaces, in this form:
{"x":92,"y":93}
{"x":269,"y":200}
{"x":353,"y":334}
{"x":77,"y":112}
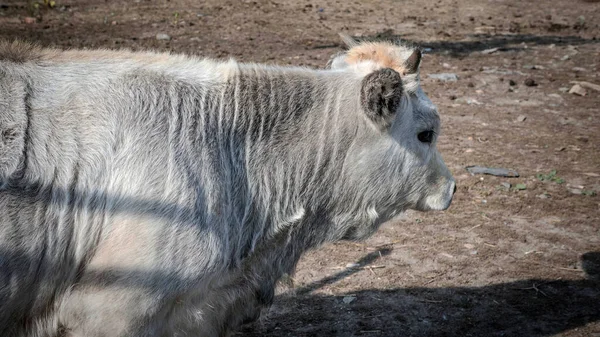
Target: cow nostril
{"x":454,"y":190}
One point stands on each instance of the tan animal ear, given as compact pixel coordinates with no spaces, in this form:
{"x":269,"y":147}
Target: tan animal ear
{"x":380,"y":96}
{"x":348,"y":40}
{"x":412,"y":62}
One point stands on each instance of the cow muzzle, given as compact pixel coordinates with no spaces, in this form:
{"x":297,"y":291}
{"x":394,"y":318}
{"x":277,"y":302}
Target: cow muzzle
{"x":439,"y":200}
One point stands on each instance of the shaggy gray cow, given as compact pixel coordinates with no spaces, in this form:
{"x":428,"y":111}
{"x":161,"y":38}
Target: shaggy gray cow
{"x":158,"y":195}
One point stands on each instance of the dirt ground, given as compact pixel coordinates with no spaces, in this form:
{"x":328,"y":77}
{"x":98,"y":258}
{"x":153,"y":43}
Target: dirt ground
{"x":522,"y":260}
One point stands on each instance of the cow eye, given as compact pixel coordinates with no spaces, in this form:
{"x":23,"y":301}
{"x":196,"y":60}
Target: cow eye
{"x":426,"y":136}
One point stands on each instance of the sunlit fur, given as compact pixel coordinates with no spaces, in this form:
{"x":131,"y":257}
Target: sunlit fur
{"x":151,"y":194}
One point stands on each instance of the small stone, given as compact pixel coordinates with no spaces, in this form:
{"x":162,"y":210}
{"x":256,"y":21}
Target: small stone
{"x":446,"y":65}
{"x":348,"y":299}
{"x":563,"y":89}
{"x":472,"y":101}
{"x":163,"y":36}
{"x":577,"y":90}
{"x":575,"y":191}
{"x":444,"y":77}
{"x":512,"y":83}
{"x":352,"y":265}
{"x":530,"y":82}
{"x":580,"y":69}
{"x":506,"y":185}
{"x":114,"y":23}
{"x":489,"y":51}
{"x":566,"y":57}
{"x":29,"y":20}
{"x":521,"y":118}
{"x":469,"y":246}
{"x":588,"y":85}
{"x":543,"y":196}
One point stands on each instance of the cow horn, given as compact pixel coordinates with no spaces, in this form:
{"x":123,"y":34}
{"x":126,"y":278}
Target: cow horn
{"x":412,"y":62}
{"x":348,"y":40}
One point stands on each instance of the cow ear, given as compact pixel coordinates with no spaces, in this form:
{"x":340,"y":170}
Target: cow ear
{"x":380,"y":96}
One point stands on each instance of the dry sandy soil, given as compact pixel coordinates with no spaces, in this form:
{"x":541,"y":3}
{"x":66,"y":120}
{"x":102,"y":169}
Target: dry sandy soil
{"x":501,"y":261}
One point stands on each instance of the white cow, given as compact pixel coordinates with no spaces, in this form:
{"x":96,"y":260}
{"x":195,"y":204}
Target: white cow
{"x":151,"y":194}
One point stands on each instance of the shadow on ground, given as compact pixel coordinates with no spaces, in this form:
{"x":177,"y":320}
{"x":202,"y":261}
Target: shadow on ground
{"x":480,"y":42}
{"x":533,"y":307}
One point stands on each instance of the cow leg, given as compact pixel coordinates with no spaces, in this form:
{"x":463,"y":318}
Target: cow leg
{"x":241,"y":296}
{"x":221,"y":311}
{"x":110,"y":310}
{"x":123,"y":286}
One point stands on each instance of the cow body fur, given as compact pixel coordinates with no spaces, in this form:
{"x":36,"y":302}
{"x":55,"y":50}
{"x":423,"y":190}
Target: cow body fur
{"x":157,"y":195}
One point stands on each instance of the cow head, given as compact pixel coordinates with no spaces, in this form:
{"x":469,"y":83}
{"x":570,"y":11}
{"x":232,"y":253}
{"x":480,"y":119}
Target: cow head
{"x":396,"y":155}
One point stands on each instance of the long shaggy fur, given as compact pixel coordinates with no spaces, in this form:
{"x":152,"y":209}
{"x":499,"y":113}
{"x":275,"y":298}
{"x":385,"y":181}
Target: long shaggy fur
{"x":157,"y":195}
